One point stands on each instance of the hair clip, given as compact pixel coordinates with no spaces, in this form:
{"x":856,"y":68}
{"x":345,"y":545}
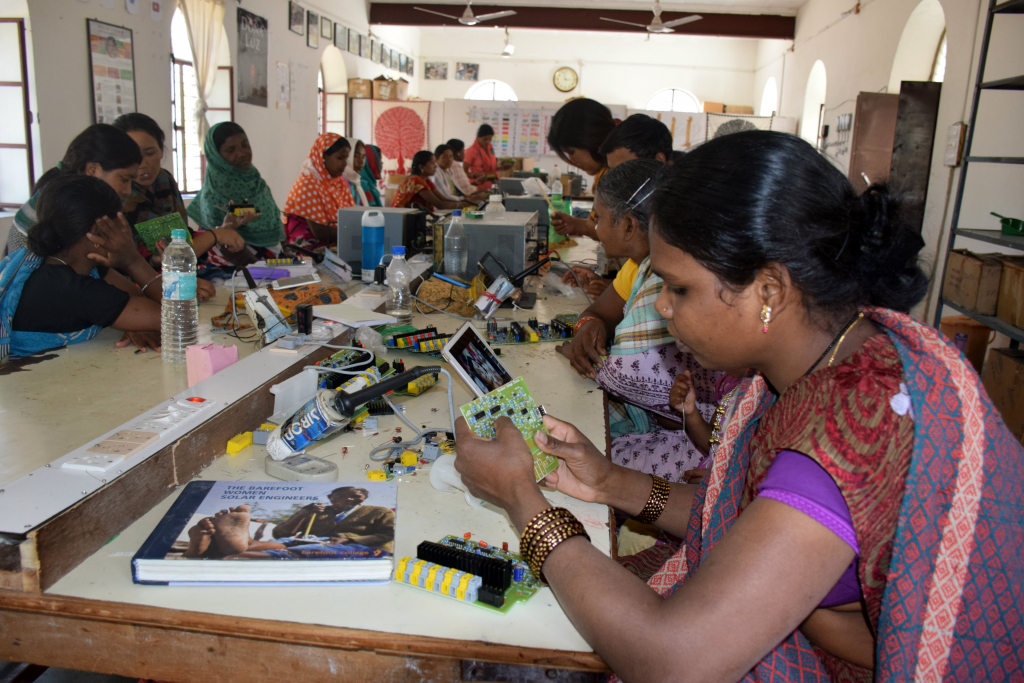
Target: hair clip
{"x":630,"y":204}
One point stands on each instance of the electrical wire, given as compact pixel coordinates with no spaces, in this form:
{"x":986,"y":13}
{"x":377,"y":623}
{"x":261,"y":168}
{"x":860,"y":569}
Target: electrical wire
{"x":420,"y":435}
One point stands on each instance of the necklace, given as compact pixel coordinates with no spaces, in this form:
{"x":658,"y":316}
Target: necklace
{"x":836,"y":341}
{"x":716,"y":421}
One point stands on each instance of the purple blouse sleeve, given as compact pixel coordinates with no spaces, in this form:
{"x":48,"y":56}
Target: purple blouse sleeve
{"x":799,"y":482}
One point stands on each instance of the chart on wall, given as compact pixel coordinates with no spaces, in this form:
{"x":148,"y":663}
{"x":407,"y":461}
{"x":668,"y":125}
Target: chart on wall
{"x":517,"y":132}
{"x":112,"y":65}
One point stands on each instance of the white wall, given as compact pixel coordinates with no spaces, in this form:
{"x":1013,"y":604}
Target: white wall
{"x":621,"y":68}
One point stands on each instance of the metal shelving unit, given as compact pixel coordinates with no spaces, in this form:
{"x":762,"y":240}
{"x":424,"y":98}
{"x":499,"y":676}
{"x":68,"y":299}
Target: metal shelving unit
{"x":1015,"y":334}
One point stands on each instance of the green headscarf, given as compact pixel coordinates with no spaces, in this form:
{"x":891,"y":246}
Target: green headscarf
{"x":225,"y":183}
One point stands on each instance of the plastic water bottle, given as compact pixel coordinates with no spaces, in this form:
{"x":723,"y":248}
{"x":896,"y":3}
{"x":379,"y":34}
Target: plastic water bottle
{"x":373,"y":243}
{"x":456,"y":249}
{"x":495,"y":205}
{"x":400,"y":275}
{"x":555,"y":186}
{"x":179,"y":326}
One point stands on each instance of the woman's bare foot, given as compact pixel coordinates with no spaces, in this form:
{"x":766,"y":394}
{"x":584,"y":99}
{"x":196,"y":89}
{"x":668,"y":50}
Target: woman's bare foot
{"x":199,"y":537}
{"x":232,"y":530}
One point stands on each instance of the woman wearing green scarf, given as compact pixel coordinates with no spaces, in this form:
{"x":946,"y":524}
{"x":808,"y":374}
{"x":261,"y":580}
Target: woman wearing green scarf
{"x":371,"y":174}
{"x":231,"y":178}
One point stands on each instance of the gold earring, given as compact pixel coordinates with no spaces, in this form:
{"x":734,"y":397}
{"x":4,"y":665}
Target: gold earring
{"x":766,"y":317}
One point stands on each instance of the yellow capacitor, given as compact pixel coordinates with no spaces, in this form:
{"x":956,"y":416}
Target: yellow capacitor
{"x":534,"y":337}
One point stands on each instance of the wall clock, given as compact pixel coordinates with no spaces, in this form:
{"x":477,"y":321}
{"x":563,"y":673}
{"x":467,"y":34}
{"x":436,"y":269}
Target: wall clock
{"x":566,"y":79}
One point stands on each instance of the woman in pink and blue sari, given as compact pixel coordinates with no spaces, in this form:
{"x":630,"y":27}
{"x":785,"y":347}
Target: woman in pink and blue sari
{"x":861,"y":520}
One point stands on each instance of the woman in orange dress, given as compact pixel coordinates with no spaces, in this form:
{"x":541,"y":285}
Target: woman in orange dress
{"x":312,"y":207}
{"x":418,"y":191}
{"x":480,"y":161}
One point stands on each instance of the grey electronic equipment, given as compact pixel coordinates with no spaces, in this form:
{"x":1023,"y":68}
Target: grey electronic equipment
{"x":398,"y":227}
{"x":531,"y":174}
{"x":528,"y":204}
{"x":511,"y":186}
{"x":503,"y":234}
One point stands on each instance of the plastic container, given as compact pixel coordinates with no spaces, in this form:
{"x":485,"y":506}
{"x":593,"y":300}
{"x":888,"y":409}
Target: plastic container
{"x":179,"y":316}
{"x":399,"y":303}
{"x":495,"y":205}
{"x":978,"y":337}
{"x":373,"y":242}
{"x":456,"y":249}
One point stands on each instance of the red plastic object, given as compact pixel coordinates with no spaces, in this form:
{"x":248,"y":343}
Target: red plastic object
{"x":196,"y":399}
{"x":504,"y":546}
{"x":483,"y":544}
{"x":466,"y":535}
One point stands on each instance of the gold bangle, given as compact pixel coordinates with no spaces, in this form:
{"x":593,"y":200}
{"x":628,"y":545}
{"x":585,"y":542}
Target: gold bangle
{"x":656,"y":502}
{"x":551,"y":541}
{"x":544,"y":527}
{"x":538,"y":521}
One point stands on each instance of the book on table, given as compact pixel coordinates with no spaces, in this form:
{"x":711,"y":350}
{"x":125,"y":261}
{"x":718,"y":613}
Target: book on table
{"x":277,"y":532}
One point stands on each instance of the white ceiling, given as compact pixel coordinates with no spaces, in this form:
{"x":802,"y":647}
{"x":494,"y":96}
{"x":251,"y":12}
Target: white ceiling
{"x":784,"y":7}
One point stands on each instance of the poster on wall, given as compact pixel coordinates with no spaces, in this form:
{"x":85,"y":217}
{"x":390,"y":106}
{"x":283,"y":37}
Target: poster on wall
{"x":297,"y":18}
{"x":325,"y":28}
{"x":400,"y":130}
{"x":340,"y":37}
{"x":312,"y":29}
{"x":112,"y":65}
{"x":252,"y":58}
{"x":385,"y":56}
{"x":403,"y":63}
{"x":410,"y":67}
{"x":374,"y":51}
{"x":364,"y":46}
{"x":467,"y":72}
{"x":435,"y":71}
{"x":353,"y":42}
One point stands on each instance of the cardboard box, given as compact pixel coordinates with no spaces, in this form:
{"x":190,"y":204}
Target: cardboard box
{"x":1004,"y":381}
{"x":714,"y":107}
{"x":360,"y":88}
{"x":972,"y":280}
{"x":1010,"y":307}
{"x":739,"y":109}
{"x":385,"y":88}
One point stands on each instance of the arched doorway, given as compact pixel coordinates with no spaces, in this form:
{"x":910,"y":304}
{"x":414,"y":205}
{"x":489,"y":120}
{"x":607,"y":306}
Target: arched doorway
{"x":921,"y":48}
{"x":333,"y":91}
{"x":814,"y":99}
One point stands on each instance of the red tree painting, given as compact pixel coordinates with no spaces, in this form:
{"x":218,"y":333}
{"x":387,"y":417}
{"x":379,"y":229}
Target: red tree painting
{"x":400,"y":133}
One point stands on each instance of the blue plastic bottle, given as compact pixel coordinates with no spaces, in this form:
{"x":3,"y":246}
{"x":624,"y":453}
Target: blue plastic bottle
{"x":373,"y":242}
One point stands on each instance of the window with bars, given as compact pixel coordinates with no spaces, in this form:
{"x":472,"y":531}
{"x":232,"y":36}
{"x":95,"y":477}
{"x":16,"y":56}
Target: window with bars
{"x":189,"y":165}
{"x":16,"y":169}
{"x":332,"y":109}
{"x":674,"y":99}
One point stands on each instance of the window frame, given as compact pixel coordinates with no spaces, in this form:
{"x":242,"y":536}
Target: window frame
{"x":26,"y":112}
{"x":493,"y":82}
{"x":674,"y":90}
{"x":322,"y":98}
{"x":178,"y":125}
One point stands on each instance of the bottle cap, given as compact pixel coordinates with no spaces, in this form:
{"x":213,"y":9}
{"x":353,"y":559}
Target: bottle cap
{"x":179,"y":234}
{"x":456,"y":212}
{"x":398,"y":251}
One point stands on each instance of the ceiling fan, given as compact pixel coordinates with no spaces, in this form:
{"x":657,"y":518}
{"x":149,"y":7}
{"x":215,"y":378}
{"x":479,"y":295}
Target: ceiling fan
{"x":467,"y":18}
{"x":657,"y":25}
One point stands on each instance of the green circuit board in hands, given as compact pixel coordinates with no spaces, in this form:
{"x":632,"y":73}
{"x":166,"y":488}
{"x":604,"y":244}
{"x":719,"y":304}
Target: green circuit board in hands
{"x":512,"y":400}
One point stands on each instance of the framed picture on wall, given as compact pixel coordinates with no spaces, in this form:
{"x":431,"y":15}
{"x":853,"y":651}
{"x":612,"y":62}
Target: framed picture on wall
{"x":325,"y":28}
{"x":297,"y":18}
{"x":353,"y":42}
{"x":435,"y":71}
{"x":374,"y":51}
{"x":385,"y":56}
{"x":252,"y":58}
{"x":410,"y":67}
{"x":403,"y":63}
{"x":340,"y":37}
{"x":312,"y":29}
{"x":467,"y":72}
{"x":112,"y":65}
{"x":364,"y":46}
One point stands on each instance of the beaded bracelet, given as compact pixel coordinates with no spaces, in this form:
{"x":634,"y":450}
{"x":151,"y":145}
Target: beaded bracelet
{"x":537,"y":523}
{"x":549,"y":542}
{"x":656,"y":502}
{"x":544,"y":532}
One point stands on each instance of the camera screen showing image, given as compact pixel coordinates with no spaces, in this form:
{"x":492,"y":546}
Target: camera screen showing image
{"x":477,"y":362}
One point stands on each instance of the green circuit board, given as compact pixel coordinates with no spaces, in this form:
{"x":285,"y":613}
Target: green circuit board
{"x":512,"y":400}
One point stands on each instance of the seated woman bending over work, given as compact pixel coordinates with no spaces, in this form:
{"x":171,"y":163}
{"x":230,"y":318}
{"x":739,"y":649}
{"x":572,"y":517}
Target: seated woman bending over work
{"x":836,"y":537}
{"x":444,"y":181}
{"x":101,"y":151}
{"x":64,"y":287}
{"x":155,"y":193}
{"x":577,"y":132}
{"x":313,"y":203}
{"x":232,"y":179}
{"x":418,"y":191}
{"x":642,"y":359}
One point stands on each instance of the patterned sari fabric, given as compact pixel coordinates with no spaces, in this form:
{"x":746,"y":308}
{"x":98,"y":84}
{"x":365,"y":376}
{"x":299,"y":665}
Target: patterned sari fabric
{"x":408,"y":193}
{"x":316,"y":195}
{"x":642,"y":365}
{"x":935,"y":502}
